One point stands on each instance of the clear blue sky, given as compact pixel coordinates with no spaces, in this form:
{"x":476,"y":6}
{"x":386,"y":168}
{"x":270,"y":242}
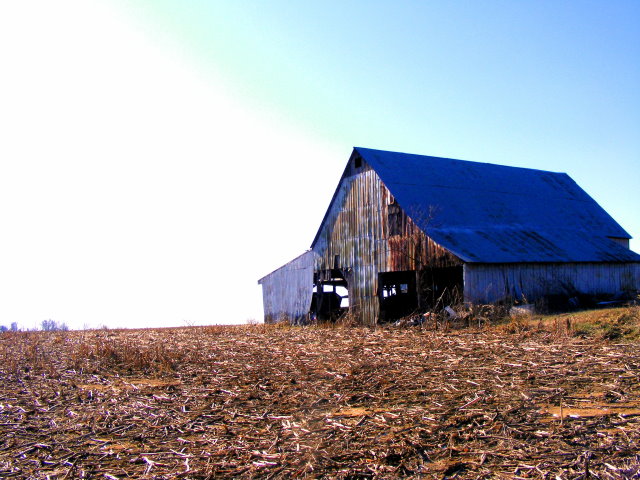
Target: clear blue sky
{"x":549,"y":85}
{"x":158,"y":156}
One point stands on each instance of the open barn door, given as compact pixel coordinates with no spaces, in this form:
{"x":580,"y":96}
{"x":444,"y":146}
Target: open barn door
{"x":330,"y":298}
{"x":441,"y":286}
{"x":398,"y":294}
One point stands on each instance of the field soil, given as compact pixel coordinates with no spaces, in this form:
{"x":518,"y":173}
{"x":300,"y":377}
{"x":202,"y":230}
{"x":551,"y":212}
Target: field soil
{"x":513,"y":401}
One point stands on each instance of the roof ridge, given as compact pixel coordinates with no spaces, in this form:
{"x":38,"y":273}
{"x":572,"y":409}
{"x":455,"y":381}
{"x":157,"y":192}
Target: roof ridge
{"x":456,"y":160}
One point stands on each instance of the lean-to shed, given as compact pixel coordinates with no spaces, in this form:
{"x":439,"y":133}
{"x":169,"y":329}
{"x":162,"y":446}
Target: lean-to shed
{"x":287,"y":292}
{"x":404,"y":232}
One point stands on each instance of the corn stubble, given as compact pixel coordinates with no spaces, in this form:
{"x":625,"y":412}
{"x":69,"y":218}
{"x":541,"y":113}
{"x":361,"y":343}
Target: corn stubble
{"x":276,"y":401}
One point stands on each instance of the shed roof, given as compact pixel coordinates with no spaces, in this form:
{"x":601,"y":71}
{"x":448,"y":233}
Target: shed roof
{"x":295,"y":264}
{"x":490,"y":213}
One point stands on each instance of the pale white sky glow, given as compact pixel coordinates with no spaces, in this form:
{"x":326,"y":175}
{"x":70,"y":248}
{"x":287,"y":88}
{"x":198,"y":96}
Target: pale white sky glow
{"x":158,"y":157}
{"x":132,"y":188}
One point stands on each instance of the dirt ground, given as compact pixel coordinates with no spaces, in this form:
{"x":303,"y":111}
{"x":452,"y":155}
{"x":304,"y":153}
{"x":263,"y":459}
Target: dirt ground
{"x":283,"y":402}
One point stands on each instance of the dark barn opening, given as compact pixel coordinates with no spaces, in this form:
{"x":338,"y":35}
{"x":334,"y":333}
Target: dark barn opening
{"x":398,"y":294}
{"x":330,"y":299}
{"x":441,"y":286}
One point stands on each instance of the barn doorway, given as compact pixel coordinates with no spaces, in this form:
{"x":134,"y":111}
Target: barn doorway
{"x":397,"y":294}
{"x":441,"y":286}
{"x":330,"y":299}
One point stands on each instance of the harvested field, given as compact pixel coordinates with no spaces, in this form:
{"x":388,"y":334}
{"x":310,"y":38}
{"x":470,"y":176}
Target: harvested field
{"x":274,"y":402}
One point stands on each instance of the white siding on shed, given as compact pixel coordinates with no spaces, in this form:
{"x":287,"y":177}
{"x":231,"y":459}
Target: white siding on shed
{"x":287,"y":291}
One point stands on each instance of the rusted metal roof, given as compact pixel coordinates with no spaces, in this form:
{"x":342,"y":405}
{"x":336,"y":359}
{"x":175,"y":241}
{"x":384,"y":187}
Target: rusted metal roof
{"x":497,"y":214}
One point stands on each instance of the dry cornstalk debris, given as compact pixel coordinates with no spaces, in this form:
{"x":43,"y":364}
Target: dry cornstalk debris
{"x":275,"y":402}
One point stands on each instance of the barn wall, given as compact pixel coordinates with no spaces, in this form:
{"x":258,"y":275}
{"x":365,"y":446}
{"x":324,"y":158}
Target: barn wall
{"x":286,"y":292}
{"x":356,"y":232}
{"x":487,"y":283}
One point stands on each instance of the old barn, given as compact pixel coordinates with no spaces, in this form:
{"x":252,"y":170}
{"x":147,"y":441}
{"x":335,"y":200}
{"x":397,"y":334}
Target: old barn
{"x":406,"y":232}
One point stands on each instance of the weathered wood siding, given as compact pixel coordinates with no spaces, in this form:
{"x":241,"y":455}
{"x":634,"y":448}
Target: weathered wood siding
{"x":357,"y":233}
{"x":487,"y":283}
{"x":287,"y":292}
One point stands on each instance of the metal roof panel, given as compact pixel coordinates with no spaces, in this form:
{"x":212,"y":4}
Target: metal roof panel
{"x":493,"y":213}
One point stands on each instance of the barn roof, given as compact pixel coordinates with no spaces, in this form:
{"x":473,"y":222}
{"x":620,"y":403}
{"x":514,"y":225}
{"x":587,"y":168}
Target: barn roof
{"x":497,"y":214}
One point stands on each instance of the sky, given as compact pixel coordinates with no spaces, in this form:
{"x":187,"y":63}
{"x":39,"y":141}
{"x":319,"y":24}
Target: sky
{"x":157,"y":157}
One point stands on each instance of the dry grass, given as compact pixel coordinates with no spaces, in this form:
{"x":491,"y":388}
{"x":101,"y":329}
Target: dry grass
{"x":528,"y":399}
{"x":619,"y":324}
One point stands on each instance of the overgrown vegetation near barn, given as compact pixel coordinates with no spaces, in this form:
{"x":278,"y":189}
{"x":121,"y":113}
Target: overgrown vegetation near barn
{"x":540,"y":397}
